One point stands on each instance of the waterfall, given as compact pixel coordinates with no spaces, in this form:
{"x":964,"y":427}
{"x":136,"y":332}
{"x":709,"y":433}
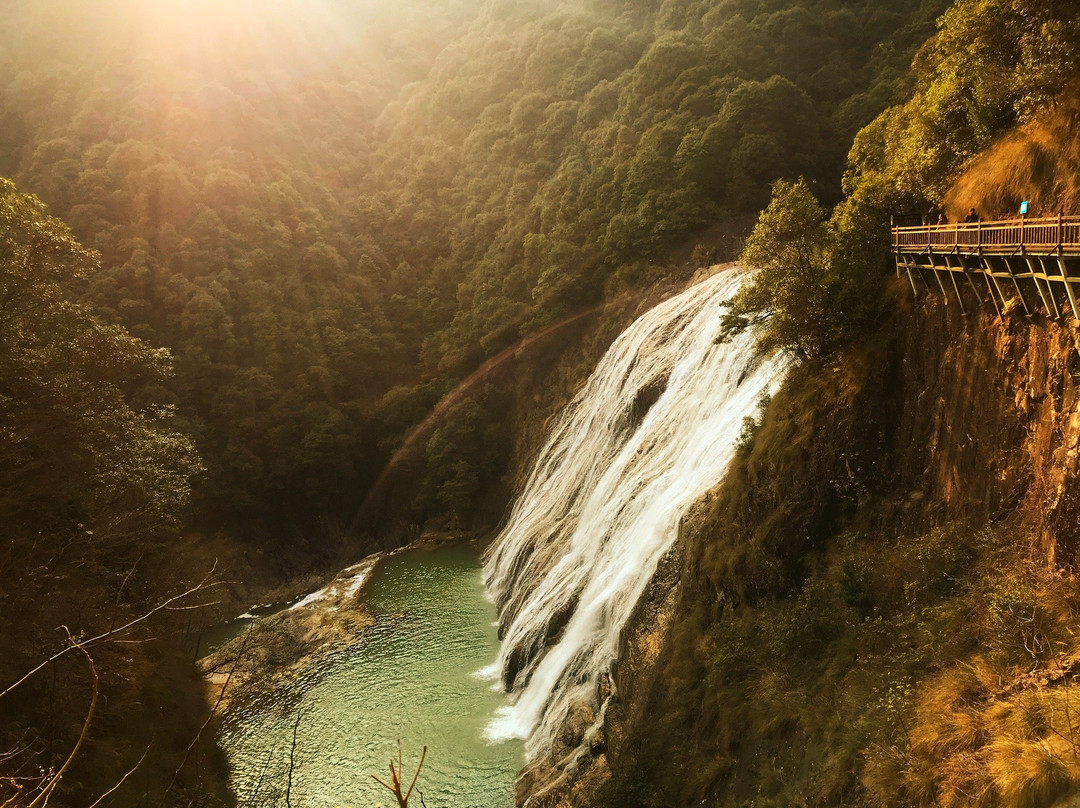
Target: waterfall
{"x":653,"y":429}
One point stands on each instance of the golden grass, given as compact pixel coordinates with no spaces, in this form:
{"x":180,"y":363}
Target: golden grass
{"x":976,"y":744}
{"x":1038,"y":161}
{"x":1027,"y":773}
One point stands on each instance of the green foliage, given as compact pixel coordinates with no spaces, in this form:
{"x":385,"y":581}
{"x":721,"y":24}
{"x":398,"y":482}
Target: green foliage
{"x":855,"y":585}
{"x":82,"y":439}
{"x":1017,"y":623}
{"x":799,"y":300}
{"x":463,"y":459}
{"x":992,"y":63}
{"x":312,"y":209}
{"x":751,"y":423}
{"x":95,"y":478}
{"x":220,"y":181}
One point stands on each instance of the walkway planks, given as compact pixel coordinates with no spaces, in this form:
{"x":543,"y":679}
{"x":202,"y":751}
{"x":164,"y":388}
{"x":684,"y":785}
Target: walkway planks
{"x":1044,"y":253}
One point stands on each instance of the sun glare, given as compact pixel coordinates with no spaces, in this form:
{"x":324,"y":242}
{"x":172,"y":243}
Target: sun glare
{"x":250,"y":34}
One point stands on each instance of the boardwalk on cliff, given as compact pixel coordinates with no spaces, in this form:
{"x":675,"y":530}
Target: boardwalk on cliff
{"x":1007,"y":255}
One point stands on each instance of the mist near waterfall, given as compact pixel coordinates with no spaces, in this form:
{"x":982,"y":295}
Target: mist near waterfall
{"x":654,"y":429}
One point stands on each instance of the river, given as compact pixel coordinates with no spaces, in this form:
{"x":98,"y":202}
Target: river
{"x":413,"y":677}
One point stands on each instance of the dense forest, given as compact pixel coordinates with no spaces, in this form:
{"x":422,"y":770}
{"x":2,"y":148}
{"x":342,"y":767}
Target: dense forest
{"x":294,"y":227}
{"x":96,"y":478}
{"x":328,"y":218}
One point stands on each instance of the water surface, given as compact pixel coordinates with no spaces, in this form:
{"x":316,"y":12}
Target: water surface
{"x":413,"y":677}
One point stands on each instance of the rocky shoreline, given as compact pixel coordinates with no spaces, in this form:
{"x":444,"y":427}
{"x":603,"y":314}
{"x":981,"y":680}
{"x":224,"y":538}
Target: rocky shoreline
{"x":279,"y":648}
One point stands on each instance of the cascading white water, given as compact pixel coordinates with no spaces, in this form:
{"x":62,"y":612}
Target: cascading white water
{"x":604,"y":498}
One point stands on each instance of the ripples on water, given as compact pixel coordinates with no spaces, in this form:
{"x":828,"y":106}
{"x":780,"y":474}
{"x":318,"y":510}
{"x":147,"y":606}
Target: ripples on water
{"x":415,"y":676}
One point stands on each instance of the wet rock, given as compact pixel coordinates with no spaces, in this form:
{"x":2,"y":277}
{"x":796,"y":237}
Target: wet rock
{"x":556,"y":624}
{"x":603,"y":688}
{"x":524,"y":651}
{"x":597,"y":741}
{"x":571,"y":734}
{"x":644,"y":400}
{"x":515,"y":661}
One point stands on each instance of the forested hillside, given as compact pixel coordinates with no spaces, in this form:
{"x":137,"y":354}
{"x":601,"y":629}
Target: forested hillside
{"x":212,"y":155}
{"x":328,"y":216}
{"x":95,"y":480}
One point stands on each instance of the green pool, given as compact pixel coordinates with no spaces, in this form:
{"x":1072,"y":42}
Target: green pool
{"x":414,"y":677}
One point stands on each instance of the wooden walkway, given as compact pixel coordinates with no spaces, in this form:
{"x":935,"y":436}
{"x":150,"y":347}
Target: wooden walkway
{"x":1041,"y":255}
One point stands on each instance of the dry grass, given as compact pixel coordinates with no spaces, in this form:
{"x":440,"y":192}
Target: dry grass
{"x":1038,"y":162}
{"x":980,"y":740}
{"x":933,"y":671}
{"x":948,"y":717}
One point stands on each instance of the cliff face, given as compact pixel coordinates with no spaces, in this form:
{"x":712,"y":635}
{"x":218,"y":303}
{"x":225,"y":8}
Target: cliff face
{"x":990,"y":417}
{"x":874,"y":606}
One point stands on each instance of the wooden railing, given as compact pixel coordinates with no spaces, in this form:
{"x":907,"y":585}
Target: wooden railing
{"x":1000,"y":237}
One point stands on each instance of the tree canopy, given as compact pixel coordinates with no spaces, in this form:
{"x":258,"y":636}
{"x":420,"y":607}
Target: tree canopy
{"x":95,"y":476}
{"x":316,"y":207}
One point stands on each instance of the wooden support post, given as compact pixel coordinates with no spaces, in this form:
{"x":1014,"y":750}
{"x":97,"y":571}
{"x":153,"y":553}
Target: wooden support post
{"x":901,"y":257}
{"x":988,"y":268}
{"x":933,"y":268}
{"x":896,"y":245}
{"x":1068,"y":286}
{"x":937,"y":277}
{"x":1050,"y":287}
{"x":1038,"y":285}
{"x":989,"y":287}
{"x":956,"y":288}
{"x":922,"y":275}
{"x":1016,"y":284}
{"x":967,"y":276}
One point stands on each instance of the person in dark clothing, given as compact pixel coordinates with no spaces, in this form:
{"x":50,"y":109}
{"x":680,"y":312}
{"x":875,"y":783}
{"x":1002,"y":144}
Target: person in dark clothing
{"x":942,"y":218}
{"x":972,"y":216}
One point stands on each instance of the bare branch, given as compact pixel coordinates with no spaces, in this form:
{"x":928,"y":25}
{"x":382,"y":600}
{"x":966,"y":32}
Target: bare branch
{"x":120,"y":591}
{"x":412,"y":785}
{"x":394,"y":786}
{"x":382,"y":783}
{"x":108,"y":635}
{"x":43,"y":796}
{"x":292,"y":760}
{"x":130,"y":772}
{"x":258,"y":784}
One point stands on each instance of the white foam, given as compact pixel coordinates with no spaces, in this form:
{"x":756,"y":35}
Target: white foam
{"x":340,"y":589}
{"x":606,"y":493}
{"x":489,"y":673}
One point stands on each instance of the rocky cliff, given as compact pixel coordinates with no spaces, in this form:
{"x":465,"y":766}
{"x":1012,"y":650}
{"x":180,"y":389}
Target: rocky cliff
{"x":876,"y":605}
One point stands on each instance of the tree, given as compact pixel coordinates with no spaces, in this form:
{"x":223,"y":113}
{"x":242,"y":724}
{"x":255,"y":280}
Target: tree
{"x":805,"y":297}
{"x":787,"y":299}
{"x":92,"y":479}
